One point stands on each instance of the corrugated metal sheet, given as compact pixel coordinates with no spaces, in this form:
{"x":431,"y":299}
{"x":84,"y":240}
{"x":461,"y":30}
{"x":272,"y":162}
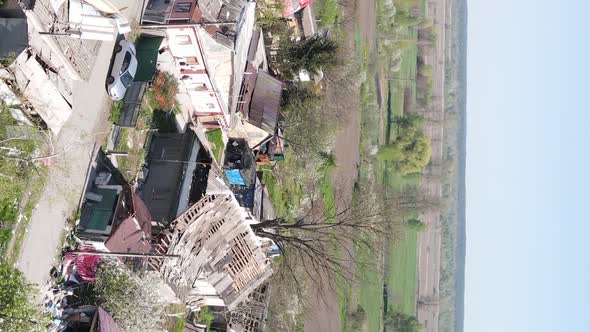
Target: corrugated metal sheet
{"x":266,"y":102}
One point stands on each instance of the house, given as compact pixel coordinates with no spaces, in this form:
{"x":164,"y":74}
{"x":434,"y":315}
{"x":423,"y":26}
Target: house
{"x":196,"y":88}
{"x":259,"y":98}
{"x":178,"y":167}
{"x":72,"y":58}
{"x":221,"y":17}
{"x":221,"y":261}
{"x":113,"y":217}
{"x":224,"y":30}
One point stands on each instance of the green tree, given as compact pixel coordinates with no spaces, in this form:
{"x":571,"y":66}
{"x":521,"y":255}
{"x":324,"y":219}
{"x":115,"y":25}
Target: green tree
{"x":311,"y":54}
{"x":415,"y":224}
{"x":132,"y":300}
{"x":400,"y":322}
{"x":308,"y":127}
{"x":411,"y":150}
{"x":403,"y":18}
{"x":17,"y":313}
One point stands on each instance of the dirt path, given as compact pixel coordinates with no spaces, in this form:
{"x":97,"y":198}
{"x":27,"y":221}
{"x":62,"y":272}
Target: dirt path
{"x":429,"y":241}
{"x":323,"y":314}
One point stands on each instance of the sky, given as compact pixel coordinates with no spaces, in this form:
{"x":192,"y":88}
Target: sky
{"x":528,"y":166}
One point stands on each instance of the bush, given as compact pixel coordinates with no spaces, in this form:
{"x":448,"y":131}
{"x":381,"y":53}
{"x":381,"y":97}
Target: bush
{"x":162,"y":93}
{"x":204,"y":316}
{"x":132,"y":301}
{"x":356,"y":319}
{"x":116,"y":111}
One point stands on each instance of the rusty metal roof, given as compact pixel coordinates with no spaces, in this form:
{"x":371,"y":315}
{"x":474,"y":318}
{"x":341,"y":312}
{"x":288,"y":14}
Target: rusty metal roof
{"x":266,"y":102}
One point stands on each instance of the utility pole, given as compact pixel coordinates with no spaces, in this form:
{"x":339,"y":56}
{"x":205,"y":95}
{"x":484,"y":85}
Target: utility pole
{"x":123,"y":254}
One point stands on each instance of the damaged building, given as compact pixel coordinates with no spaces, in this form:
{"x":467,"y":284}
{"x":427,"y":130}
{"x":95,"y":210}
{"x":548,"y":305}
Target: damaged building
{"x":221,"y":260}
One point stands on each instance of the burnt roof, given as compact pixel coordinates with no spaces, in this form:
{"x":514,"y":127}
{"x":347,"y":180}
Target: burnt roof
{"x":266,"y":101}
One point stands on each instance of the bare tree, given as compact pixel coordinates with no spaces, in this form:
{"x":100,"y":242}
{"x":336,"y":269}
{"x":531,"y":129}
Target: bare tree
{"x":320,"y":246}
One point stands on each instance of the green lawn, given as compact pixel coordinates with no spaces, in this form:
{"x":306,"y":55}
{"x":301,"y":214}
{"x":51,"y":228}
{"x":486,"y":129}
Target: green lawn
{"x":370,"y":287}
{"x":327,"y":190}
{"x":276,"y":195}
{"x":402,"y":278}
{"x":285,"y":184}
{"x":216,"y":142}
{"x":326,"y":11}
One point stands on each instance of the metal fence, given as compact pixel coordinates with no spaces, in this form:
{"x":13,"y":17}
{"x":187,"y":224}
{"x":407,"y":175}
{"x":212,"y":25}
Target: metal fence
{"x":132,"y":104}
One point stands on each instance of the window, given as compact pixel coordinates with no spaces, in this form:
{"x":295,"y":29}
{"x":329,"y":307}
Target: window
{"x":183,"y":39}
{"x":192,"y":60}
{"x":126,"y":79}
{"x":183,"y":7}
{"x":199,"y":87}
{"x":126,"y":62}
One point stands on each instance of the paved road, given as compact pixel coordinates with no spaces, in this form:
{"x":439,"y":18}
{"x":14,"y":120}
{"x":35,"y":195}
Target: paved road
{"x":67,"y":173}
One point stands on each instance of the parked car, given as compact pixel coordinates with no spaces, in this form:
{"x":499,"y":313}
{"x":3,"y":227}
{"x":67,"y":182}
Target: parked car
{"x":123,"y":69}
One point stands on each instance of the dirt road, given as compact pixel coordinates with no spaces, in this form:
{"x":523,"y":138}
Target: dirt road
{"x":429,"y":241}
{"x":323,"y":314}
{"x":67,"y":173}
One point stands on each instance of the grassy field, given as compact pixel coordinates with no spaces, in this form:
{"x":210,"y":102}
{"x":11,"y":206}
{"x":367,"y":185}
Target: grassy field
{"x":402,"y":278}
{"x":326,"y":12}
{"x":398,"y":90}
{"x":370,"y":294}
{"x":284,"y":183}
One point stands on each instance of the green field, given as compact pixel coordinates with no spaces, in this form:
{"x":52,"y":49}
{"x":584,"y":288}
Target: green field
{"x":402,"y":278}
{"x":370,"y":290}
{"x":398,"y":91}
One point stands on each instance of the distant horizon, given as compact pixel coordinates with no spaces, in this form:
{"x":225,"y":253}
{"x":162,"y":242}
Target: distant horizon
{"x":526,"y":264}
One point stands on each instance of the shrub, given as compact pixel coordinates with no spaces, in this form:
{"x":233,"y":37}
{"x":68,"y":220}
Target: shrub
{"x":162,"y":93}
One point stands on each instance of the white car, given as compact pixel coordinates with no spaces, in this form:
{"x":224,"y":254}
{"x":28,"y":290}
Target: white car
{"x":123,"y":69}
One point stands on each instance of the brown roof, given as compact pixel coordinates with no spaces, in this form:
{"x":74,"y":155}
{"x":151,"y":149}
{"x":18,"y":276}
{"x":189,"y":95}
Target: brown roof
{"x":134,"y":233}
{"x":106,"y":323}
{"x":266,"y":101}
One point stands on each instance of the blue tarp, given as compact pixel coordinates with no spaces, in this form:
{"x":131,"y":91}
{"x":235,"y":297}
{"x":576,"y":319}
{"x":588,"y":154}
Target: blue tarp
{"x":234,"y":177}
